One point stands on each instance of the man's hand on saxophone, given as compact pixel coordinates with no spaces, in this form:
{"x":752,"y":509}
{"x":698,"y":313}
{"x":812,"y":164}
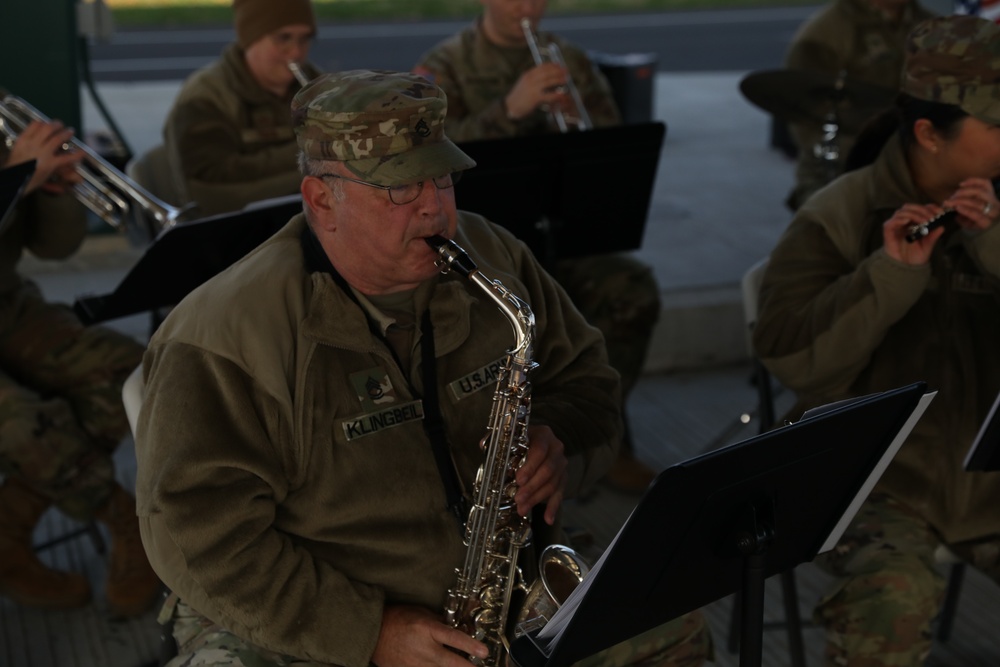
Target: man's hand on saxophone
{"x":414,"y":636}
{"x":542,"y":477}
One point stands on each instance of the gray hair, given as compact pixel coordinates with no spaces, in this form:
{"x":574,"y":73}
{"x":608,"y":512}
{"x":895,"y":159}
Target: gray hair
{"x":314,"y":167}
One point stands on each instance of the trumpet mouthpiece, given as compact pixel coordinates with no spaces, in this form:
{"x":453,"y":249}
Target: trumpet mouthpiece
{"x":297,"y":72}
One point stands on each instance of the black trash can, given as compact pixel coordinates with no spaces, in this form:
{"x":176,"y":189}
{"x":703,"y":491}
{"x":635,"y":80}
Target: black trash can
{"x":632,"y":77}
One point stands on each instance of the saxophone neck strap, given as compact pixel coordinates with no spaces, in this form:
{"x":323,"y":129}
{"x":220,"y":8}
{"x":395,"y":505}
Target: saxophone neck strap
{"x":434,"y":425}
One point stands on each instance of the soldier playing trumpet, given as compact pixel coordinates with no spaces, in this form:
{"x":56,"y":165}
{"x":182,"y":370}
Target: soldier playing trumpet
{"x":61,"y":415}
{"x":228,"y":136}
{"x":496,"y":90}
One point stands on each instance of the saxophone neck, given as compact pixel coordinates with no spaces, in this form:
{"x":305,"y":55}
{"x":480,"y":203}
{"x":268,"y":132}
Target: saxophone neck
{"x":518,"y":313}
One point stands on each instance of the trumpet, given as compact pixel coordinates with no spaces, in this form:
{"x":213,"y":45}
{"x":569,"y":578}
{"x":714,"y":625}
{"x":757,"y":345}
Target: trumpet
{"x":104,"y":190}
{"x":297,"y":72}
{"x":551,"y":53}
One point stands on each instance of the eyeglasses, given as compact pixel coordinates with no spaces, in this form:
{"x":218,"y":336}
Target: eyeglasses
{"x":404,"y":194}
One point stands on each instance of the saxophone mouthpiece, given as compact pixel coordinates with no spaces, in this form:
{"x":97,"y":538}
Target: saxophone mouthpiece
{"x":452,"y":255}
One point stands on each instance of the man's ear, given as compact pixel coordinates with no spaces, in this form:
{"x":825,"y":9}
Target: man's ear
{"x":319,"y":199}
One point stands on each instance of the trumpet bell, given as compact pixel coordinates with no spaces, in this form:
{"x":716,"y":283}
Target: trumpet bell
{"x":104,"y":190}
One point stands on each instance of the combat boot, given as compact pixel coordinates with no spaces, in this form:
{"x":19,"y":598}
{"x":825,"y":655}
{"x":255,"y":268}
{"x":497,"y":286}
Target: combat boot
{"x":23,"y":578}
{"x":132,"y":586}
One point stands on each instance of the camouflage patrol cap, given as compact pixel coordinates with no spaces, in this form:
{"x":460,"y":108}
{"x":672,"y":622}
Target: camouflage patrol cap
{"x":386,"y":127}
{"x":956,"y":60}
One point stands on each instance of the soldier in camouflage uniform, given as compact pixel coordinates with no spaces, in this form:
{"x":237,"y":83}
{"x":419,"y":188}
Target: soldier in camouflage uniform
{"x":495,"y":90}
{"x":849,"y":308}
{"x":61,"y":413}
{"x":228,"y":136}
{"x":303,"y":513}
{"x":864,"y":39}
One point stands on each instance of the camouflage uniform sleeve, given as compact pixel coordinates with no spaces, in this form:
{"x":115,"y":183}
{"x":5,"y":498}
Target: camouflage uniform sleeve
{"x":440,"y":67}
{"x":594,"y":89}
{"x":57,"y":224}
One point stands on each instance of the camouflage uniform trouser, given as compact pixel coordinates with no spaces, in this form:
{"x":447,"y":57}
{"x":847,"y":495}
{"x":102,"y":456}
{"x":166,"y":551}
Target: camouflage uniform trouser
{"x":683,"y":642}
{"x":61,"y":412}
{"x":617,"y":294}
{"x":879,"y":613}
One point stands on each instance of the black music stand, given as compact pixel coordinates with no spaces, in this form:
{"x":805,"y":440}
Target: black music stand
{"x":566,"y":195}
{"x":726,"y":520}
{"x":184,"y":256}
{"x":984,"y":454}
{"x":13,"y":180}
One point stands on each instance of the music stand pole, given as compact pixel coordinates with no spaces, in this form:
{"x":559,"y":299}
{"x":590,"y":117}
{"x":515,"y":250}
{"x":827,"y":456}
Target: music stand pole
{"x":752,"y":541}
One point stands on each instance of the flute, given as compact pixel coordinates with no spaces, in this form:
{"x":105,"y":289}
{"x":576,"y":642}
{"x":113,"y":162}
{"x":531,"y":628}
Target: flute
{"x":916,"y":232}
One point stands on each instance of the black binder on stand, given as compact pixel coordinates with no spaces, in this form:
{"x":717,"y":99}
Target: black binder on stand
{"x":184,"y":256}
{"x":726,"y":520}
{"x":566,"y":195}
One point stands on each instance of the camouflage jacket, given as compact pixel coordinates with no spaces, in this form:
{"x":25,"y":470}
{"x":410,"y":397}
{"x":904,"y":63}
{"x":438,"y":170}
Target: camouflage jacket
{"x":476,"y":75}
{"x":852,"y":36}
{"x":48,"y":226}
{"x":839,"y":318}
{"x":230,"y":142}
{"x":286,"y":486}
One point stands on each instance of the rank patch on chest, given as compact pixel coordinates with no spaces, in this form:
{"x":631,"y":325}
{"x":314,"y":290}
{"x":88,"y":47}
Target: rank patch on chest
{"x":373,"y":388}
{"x":478,"y":379}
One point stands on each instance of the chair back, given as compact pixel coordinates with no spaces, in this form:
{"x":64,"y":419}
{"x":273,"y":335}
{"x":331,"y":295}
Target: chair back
{"x":750,"y":286}
{"x":132,"y":394}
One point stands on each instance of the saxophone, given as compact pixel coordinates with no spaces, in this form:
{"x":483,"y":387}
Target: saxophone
{"x":480,"y":603}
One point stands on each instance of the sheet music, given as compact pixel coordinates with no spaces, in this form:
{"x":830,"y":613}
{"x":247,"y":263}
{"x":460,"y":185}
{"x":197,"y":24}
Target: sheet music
{"x":982,"y":432}
{"x":550,"y":634}
{"x":877,"y":471}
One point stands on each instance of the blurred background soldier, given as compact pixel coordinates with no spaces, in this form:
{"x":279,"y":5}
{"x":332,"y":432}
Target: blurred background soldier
{"x":862,"y":39}
{"x":229,"y":136}
{"x":61,"y":413}
{"x":496,"y":90}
